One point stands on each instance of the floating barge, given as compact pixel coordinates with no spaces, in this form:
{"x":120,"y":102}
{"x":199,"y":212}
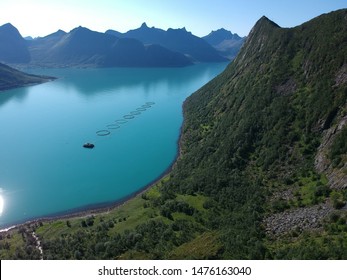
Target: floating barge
{"x":88,"y":145}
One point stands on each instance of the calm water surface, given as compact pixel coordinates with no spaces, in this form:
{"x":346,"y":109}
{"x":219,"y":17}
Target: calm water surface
{"x":44,"y":170}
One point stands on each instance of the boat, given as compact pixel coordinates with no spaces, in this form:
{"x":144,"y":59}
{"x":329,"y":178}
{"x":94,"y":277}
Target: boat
{"x":88,"y":145}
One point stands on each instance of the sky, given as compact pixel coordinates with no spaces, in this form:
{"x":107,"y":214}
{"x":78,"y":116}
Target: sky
{"x":42,"y":17}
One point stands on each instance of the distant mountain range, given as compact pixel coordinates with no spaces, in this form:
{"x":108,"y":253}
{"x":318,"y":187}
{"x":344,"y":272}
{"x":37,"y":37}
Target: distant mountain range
{"x":179,"y":40}
{"x":81,"y":47}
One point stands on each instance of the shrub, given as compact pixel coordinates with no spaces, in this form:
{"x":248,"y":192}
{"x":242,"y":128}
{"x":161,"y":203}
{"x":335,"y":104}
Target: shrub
{"x":337,"y":200}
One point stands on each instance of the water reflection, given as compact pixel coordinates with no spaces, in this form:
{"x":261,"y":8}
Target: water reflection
{"x":18,"y":94}
{"x":94,"y":81}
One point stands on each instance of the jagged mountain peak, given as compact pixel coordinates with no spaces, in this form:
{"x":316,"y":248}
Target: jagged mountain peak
{"x":60,"y":32}
{"x":225,"y":42}
{"x":177,"y":40}
{"x":258,"y":38}
{"x":222,"y":31}
{"x":217,"y":36}
{"x":182,"y":30}
{"x":263,"y":24}
{"x":80,"y":29}
{"x":144,"y":25}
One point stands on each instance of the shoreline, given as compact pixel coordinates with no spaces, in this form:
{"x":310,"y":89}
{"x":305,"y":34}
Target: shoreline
{"x":103,"y":207}
{"x":46,"y":80}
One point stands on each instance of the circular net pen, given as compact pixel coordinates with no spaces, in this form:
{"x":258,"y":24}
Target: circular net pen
{"x":141,"y":109}
{"x":113,"y":126}
{"x":121,"y":121}
{"x":128,"y":117}
{"x":103,"y":132}
{"x":135,"y":113}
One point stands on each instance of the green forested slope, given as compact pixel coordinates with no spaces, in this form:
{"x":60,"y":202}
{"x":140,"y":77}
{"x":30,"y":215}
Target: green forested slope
{"x":262,"y":171}
{"x":269,"y":109}
{"x":253,"y":133}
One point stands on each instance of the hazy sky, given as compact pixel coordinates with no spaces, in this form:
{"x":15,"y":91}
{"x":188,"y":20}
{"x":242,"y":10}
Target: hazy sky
{"x":42,"y":17}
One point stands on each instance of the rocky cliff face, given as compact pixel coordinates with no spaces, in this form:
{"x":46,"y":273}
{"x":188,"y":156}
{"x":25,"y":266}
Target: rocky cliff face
{"x":337,"y":175}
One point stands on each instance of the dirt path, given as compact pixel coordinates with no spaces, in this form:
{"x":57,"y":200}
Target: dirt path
{"x":38,"y":244}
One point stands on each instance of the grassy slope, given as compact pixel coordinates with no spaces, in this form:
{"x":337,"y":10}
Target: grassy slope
{"x":250,"y":136}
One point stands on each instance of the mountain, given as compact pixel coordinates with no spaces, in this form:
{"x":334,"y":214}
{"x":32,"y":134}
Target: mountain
{"x":13,"y":48}
{"x":225,"y":42}
{"x":84,"y":47}
{"x":220,"y":35}
{"x":261,"y":172}
{"x":144,"y":34}
{"x":12,"y":78}
{"x":266,"y":141}
{"x":40,"y":48}
{"x":81,"y":46}
{"x":179,"y":40}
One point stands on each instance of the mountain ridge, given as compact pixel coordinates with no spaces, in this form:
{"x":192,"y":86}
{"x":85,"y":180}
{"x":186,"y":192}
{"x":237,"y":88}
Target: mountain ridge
{"x":57,"y":50}
{"x":84,"y":47}
{"x":179,"y":40}
{"x":218,"y":36}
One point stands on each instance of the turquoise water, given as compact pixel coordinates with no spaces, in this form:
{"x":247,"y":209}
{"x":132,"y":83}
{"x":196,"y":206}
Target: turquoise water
{"x":44,"y":170}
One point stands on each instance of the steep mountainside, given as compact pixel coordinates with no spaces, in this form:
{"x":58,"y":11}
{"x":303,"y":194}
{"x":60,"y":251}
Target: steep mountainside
{"x":178,"y":40}
{"x":262,"y":169}
{"x":12,"y":78}
{"x":225,"y":42}
{"x":13,"y":48}
{"x":40,"y":47}
{"x":83,"y":47}
{"x":260,"y":127}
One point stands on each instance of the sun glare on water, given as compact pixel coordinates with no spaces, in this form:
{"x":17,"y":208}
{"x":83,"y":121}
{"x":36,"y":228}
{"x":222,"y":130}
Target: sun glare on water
{"x":1,"y":204}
